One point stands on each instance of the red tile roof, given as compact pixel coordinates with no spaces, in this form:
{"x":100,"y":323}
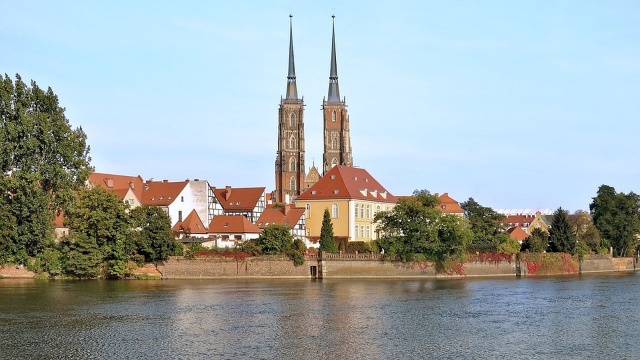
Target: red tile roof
{"x":517,"y":233}
{"x":517,"y":219}
{"x":224,"y":224}
{"x":191,"y":224}
{"x":344,"y":182}
{"x":238,"y":199}
{"x":449,"y":205}
{"x":113,"y":181}
{"x":161,"y":193}
{"x":287,"y":216}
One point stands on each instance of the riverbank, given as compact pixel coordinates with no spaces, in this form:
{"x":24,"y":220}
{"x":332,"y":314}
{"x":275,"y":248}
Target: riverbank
{"x":368,"y":266}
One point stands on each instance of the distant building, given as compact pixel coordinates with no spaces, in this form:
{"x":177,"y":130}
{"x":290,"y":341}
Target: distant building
{"x":289,"y":216}
{"x":180,"y":198}
{"x":249,"y":202}
{"x":448,"y":205}
{"x":128,"y":188}
{"x":352,"y":196}
{"x":232,"y":230}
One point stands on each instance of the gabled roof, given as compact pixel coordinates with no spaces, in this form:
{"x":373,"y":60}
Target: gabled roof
{"x":517,"y":219}
{"x":448,"y":205}
{"x":237,"y":224}
{"x":287,"y":216}
{"x":517,"y":233}
{"x":238,"y":199}
{"x":344,"y":182}
{"x":161,"y":193}
{"x":113,"y":182}
{"x":191,"y":224}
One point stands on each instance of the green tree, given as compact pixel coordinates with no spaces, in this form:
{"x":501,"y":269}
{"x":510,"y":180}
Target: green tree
{"x":152,"y":235}
{"x":42,"y":161}
{"x":327,"y":240}
{"x":485,"y":224}
{"x":275,"y":239}
{"x":537,"y":241}
{"x":509,"y":246}
{"x":561,"y":235}
{"x":617,"y":218}
{"x":82,"y":257}
{"x":585,"y":231}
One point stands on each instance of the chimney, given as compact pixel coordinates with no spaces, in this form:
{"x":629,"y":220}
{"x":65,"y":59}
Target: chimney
{"x":165,"y":181}
{"x":109,"y":183}
{"x":286,"y":209}
{"x":131,"y":185}
{"x":227,"y":192}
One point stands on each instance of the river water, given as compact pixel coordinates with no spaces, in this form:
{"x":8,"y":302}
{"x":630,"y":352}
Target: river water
{"x":594,"y":317}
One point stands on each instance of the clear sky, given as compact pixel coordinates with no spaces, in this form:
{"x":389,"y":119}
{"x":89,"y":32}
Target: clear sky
{"x":519,"y":104}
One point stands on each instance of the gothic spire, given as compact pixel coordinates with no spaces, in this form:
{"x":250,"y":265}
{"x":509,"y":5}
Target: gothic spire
{"x":292,"y":89}
{"x":334,"y":90}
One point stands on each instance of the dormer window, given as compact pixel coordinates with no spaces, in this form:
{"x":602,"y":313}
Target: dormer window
{"x":335,"y":191}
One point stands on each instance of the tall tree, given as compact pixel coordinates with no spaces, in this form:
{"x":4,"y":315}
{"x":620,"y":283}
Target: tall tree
{"x":152,"y":235}
{"x":485,"y":224}
{"x":617,"y":217}
{"x":42,"y":159}
{"x":327,"y":240}
{"x":584,"y":230}
{"x":561,"y":235}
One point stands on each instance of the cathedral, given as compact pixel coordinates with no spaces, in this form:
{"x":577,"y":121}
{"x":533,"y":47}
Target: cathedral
{"x":291,"y":180}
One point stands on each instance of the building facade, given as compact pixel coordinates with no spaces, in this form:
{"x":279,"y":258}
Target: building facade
{"x":289,"y":167}
{"x":337,"y":142}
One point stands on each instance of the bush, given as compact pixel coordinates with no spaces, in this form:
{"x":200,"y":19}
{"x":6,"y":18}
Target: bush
{"x":296,"y":256}
{"x":359,"y":246}
{"x":299,"y":245}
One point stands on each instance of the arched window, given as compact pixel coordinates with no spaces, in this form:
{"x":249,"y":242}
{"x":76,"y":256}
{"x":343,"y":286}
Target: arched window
{"x":334,"y":211}
{"x":333,"y":116}
{"x":334,"y":144}
{"x":292,"y":120}
{"x":334,"y":162}
{"x":293,"y":183}
{"x":292,"y":164}
{"x":356,"y":211}
{"x":377,"y":209}
{"x":292,"y":142}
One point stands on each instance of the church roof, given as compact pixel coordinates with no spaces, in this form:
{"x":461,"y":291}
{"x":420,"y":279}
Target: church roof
{"x":334,"y":89}
{"x":344,"y":182}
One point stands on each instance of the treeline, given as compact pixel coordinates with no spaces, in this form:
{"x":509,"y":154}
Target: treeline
{"x":45,"y":165}
{"x":416,"y":229}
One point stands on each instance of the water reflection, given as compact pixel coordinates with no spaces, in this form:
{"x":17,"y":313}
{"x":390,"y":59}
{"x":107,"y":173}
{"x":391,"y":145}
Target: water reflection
{"x":569,"y":317}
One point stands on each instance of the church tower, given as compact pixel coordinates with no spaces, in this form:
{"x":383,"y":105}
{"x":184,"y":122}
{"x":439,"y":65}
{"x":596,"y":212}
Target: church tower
{"x":290,"y":167}
{"x":337,"y":143}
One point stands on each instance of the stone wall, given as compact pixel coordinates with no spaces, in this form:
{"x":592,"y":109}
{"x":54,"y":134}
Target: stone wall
{"x":179,"y":268}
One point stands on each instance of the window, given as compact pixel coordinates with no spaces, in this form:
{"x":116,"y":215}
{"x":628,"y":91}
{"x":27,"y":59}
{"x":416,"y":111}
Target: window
{"x":377,"y":209}
{"x":361,"y":231}
{"x":334,"y":144}
{"x":368,"y":232}
{"x":181,"y":198}
{"x":333,"y":116}
{"x":355,"y":234}
{"x":180,"y":215}
{"x":368,"y":211}
{"x":356,"y":211}
{"x":292,"y":142}
{"x":293,"y":183}
{"x":292,"y":164}
{"x":334,"y":211}
{"x":131,"y":202}
{"x":292,"y":120}
{"x":362,"y":211}
{"x":308,"y":214}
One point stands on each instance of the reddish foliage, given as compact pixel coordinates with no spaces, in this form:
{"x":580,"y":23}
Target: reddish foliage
{"x":533,"y":266}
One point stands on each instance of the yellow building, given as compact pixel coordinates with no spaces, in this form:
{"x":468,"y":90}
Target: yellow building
{"x":352,"y":196}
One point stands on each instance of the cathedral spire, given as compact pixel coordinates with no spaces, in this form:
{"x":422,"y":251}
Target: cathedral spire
{"x":334,"y":90}
{"x":292,"y":89}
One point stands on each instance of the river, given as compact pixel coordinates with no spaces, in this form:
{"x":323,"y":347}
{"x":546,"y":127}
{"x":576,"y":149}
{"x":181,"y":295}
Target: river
{"x":564,"y":317}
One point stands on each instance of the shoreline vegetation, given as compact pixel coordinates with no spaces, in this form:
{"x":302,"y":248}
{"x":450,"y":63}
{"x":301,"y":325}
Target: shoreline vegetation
{"x":45,"y":167}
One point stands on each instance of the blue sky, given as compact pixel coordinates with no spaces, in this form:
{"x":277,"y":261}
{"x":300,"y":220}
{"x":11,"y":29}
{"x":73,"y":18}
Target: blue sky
{"x":519,"y":104}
